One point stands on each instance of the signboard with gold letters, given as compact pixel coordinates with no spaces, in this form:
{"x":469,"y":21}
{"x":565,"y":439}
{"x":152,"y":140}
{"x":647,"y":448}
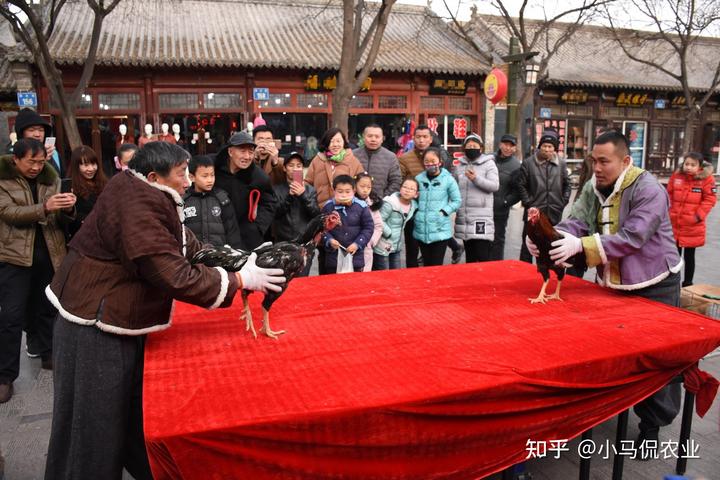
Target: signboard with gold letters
{"x":448,"y":86}
{"x":631,"y":99}
{"x":678,"y":101}
{"x":574,"y":97}
{"x":326,"y":81}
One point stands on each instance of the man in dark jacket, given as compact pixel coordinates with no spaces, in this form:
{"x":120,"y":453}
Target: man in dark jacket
{"x":543,"y":183}
{"x":507,"y":195}
{"x":116,"y":285}
{"x":208,"y":210}
{"x":379,"y":162}
{"x":248,"y":186}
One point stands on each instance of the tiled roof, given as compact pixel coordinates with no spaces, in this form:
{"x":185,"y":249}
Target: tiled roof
{"x":7,"y":79}
{"x":592,"y":58}
{"x":258,"y":33}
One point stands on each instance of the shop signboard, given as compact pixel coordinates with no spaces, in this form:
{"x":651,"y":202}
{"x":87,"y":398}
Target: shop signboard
{"x":448,"y":86}
{"x":545,"y":112}
{"x":631,"y":99}
{"x":261,"y":94}
{"x":327,"y":81}
{"x":496,"y":85}
{"x":574,"y":97}
{"x":27,"y":99}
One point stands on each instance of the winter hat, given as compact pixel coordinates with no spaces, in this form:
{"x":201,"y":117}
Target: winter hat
{"x":27,"y":117}
{"x":292,"y":155}
{"x":507,"y":138}
{"x":551,"y":137}
{"x":240,"y":138}
{"x":473,"y":136}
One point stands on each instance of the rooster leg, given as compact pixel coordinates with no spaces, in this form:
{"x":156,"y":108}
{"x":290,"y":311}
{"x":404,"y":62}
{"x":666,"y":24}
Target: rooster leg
{"x":247,"y":315}
{"x":266,"y":326}
{"x":556,"y":295}
{"x":541,"y":297}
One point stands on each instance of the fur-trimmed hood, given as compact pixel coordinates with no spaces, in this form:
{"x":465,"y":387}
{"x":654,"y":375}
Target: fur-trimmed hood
{"x":8,"y":171}
{"x":706,"y":171}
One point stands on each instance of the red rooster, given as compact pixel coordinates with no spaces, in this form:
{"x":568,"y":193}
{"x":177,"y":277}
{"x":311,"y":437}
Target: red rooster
{"x":291,"y":257}
{"x":543,"y":234}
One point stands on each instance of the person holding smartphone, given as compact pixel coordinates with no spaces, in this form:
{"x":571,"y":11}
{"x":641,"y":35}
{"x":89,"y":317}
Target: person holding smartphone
{"x":29,"y":124}
{"x":296,"y":203}
{"x":32,"y":215}
{"x":267,"y":154}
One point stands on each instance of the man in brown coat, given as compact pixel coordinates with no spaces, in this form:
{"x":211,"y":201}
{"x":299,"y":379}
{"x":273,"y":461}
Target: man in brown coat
{"x":33,"y":245}
{"x":117,"y":284}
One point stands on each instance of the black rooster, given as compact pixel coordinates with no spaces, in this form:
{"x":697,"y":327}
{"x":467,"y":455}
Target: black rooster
{"x":543,"y":234}
{"x":291,"y":257}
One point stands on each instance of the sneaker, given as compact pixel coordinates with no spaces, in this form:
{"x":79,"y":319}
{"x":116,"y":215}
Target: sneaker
{"x":6,"y":391}
{"x":456,"y":254}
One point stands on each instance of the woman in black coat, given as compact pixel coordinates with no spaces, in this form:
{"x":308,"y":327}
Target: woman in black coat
{"x":88,"y":180}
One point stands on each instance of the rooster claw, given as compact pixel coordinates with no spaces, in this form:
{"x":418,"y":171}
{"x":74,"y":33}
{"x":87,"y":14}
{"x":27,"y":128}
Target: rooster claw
{"x":271,"y":333}
{"x":539,"y":299}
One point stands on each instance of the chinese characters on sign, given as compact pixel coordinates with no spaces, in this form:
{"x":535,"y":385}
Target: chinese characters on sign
{"x":328,"y":81}
{"x":667,"y":449}
{"x":432,"y":124}
{"x":574,"y":97}
{"x":460,"y":128}
{"x":448,"y":86}
{"x":625,"y":99}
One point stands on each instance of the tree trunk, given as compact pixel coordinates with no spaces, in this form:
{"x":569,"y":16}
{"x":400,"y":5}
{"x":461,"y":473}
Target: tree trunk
{"x":688,"y":137}
{"x":341,"y":107}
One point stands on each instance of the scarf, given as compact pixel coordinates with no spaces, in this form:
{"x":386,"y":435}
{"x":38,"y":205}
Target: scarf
{"x":336,"y":158}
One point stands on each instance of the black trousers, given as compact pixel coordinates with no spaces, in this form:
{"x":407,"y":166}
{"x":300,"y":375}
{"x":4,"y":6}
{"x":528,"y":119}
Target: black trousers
{"x":661,"y":408}
{"x":23,"y":303}
{"x":433,"y":253}
{"x":688,"y":254}
{"x":497,"y":250}
{"x":525,"y":254}
{"x":477,"y":250}
{"x":411,"y":245}
{"x":97,"y":427}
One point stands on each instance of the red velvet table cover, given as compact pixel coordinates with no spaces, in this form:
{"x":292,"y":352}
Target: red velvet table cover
{"x":442,"y":372}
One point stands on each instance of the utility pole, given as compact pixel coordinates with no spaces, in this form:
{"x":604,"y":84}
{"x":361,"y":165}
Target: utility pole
{"x":510,"y":121}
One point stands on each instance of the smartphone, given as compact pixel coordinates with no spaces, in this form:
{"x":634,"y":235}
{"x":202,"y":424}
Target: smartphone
{"x":66,"y":185}
{"x":278,"y":144}
{"x":298,"y":176}
{"x":49,"y":141}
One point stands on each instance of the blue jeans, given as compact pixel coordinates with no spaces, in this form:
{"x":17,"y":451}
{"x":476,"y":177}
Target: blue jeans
{"x":391,"y":262}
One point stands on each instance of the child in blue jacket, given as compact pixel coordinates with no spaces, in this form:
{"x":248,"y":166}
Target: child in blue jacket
{"x":357,"y":225}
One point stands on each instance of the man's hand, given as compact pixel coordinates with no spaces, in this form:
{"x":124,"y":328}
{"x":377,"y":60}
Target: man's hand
{"x":334,"y":244}
{"x":297,"y":189}
{"x":352,"y":248}
{"x":565,"y":248}
{"x":531,"y":247}
{"x":49,"y":150}
{"x":259,"y":279}
{"x":60,"y":201}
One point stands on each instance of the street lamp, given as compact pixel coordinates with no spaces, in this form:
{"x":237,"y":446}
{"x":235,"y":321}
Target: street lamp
{"x":531,"y":73}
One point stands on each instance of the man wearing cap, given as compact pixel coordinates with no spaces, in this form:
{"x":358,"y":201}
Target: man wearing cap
{"x":296,"y":203}
{"x":29,"y":124}
{"x":543,"y":183}
{"x":379,"y":162}
{"x":507,"y":195}
{"x":248,"y":186}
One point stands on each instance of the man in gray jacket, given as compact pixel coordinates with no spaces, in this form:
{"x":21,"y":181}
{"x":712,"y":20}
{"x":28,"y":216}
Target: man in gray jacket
{"x":543,"y":183}
{"x":379,"y":162}
{"x":507,"y":195}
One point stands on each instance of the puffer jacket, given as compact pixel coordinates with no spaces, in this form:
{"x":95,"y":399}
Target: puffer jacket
{"x":691,"y":199}
{"x":474,"y":219}
{"x":322,"y":171}
{"x":544,"y":186}
{"x":211,"y":217}
{"x":357,"y":227}
{"x":383,"y":166}
{"x":394,"y":221}
{"x":438,"y":199}
{"x":19,"y":216}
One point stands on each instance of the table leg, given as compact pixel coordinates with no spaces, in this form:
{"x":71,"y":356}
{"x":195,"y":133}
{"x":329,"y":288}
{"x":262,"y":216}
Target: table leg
{"x":620,"y":435}
{"x":685,"y":428}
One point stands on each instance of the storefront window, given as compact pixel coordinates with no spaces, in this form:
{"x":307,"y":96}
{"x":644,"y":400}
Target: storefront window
{"x":119,"y":101}
{"x":460,"y":103}
{"x":204,"y":133}
{"x":361,"y":101}
{"x":577,"y":139}
{"x":85,"y":103}
{"x":179,"y":101}
{"x":277,"y":100}
{"x":216,"y":101}
{"x":635,"y":132}
{"x":392,"y":126}
{"x":312,"y":100}
{"x":299,"y":132}
{"x":432,"y":103}
{"x":392,"y":101}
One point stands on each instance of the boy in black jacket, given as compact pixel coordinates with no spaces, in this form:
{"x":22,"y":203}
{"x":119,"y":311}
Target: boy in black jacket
{"x":296,"y":203}
{"x":208,"y":210}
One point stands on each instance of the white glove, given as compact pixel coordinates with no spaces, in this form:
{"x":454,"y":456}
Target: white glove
{"x":565,"y":248}
{"x":260,"y":279}
{"x":532,"y":247}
